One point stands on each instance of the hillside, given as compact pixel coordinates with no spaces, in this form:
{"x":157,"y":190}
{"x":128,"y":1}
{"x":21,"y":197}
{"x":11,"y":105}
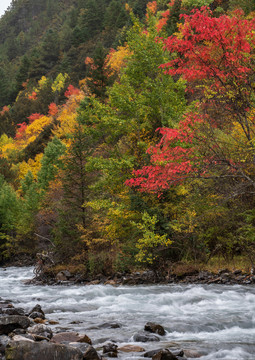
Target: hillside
{"x":127,"y":132}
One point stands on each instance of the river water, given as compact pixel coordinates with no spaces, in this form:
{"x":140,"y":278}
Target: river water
{"x":216,"y":320}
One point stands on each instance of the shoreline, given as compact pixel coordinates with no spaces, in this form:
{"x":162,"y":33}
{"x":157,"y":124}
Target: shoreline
{"x":147,"y":277}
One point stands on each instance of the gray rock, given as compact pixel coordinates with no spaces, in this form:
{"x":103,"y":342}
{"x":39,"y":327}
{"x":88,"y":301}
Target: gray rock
{"x":91,"y":354}
{"x":41,"y":330}
{"x":27,"y":350}
{"x":9,"y":323}
{"x":110,"y":348}
{"x":138,"y":337}
{"x":37,"y":310}
{"x":81,"y":346}
{"x":3,"y":342}
{"x":36,"y":314}
{"x":14,"y":311}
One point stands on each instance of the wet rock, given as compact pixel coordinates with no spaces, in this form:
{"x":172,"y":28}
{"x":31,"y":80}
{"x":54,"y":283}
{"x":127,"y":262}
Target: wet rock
{"x":14,"y":311}
{"x":35,"y":315}
{"x":131,"y":348}
{"x":37,"y":312}
{"x":85,"y":339}
{"x":110,"y":347}
{"x":41,"y":330}
{"x":91,"y":354}
{"x":109,"y":325}
{"x":138,"y":337}
{"x":81,"y":346}
{"x":154,"y":328}
{"x":164,"y":354}
{"x":3,"y":343}
{"x":9,"y":323}
{"x":175,"y":352}
{"x":151,"y":353}
{"x":20,"y":350}
{"x":193,"y":354}
{"x":18,"y":332}
{"x":70,"y":337}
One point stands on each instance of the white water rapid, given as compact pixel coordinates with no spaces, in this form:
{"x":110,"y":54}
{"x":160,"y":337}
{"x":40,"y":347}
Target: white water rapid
{"x":218,"y":321}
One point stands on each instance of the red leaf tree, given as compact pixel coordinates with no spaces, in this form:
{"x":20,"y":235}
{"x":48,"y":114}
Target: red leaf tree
{"x":216,"y":58}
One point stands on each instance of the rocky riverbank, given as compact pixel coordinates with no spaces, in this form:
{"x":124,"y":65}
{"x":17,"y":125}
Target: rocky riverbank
{"x":148,"y":277}
{"x":30,"y":336}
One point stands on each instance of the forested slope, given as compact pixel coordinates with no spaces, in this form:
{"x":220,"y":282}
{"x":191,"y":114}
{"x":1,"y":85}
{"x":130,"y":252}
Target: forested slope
{"x":127,"y":132}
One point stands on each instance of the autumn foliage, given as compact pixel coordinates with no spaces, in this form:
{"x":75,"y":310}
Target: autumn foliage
{"x":215,"y":56}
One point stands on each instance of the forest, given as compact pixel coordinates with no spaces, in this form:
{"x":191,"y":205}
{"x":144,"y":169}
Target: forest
{"x":127,"y":132}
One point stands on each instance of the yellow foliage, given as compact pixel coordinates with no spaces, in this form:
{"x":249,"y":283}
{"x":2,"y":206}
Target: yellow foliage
{"x":117,"y":59}
{"x":42,"y":82}
{"x":37,"y":126}
{"x":67,"y":118}
{"x":8,"y":149}
{"x":5,"y":140}
{"x":32,"y":165}
{"x":59,"y":82}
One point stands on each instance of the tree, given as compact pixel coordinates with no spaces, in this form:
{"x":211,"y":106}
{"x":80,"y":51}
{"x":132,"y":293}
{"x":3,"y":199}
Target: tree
{"x":218,"y":66}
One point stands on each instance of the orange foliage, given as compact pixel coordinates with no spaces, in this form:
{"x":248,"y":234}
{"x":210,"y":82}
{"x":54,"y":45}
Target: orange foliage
{"x":4,"y":110}
{"x":163,"y":21}
{"x":32,"y":96}
{"x":53,"y":109}
{"x":71,"y":90}
{"x":152,"y":7}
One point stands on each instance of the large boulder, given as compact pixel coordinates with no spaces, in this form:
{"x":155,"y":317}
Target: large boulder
{"x":27,"y":350}
{"x":9,"y":323}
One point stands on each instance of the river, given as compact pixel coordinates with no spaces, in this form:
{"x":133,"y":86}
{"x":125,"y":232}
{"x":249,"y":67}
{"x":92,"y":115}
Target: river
{"x":216,"y":320}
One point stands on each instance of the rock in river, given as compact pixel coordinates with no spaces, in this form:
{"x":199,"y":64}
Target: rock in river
{"x":27,"y":350}
{"x":139,"y":337}
{"x":9,"y":323}
{"x":154,"y":328}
